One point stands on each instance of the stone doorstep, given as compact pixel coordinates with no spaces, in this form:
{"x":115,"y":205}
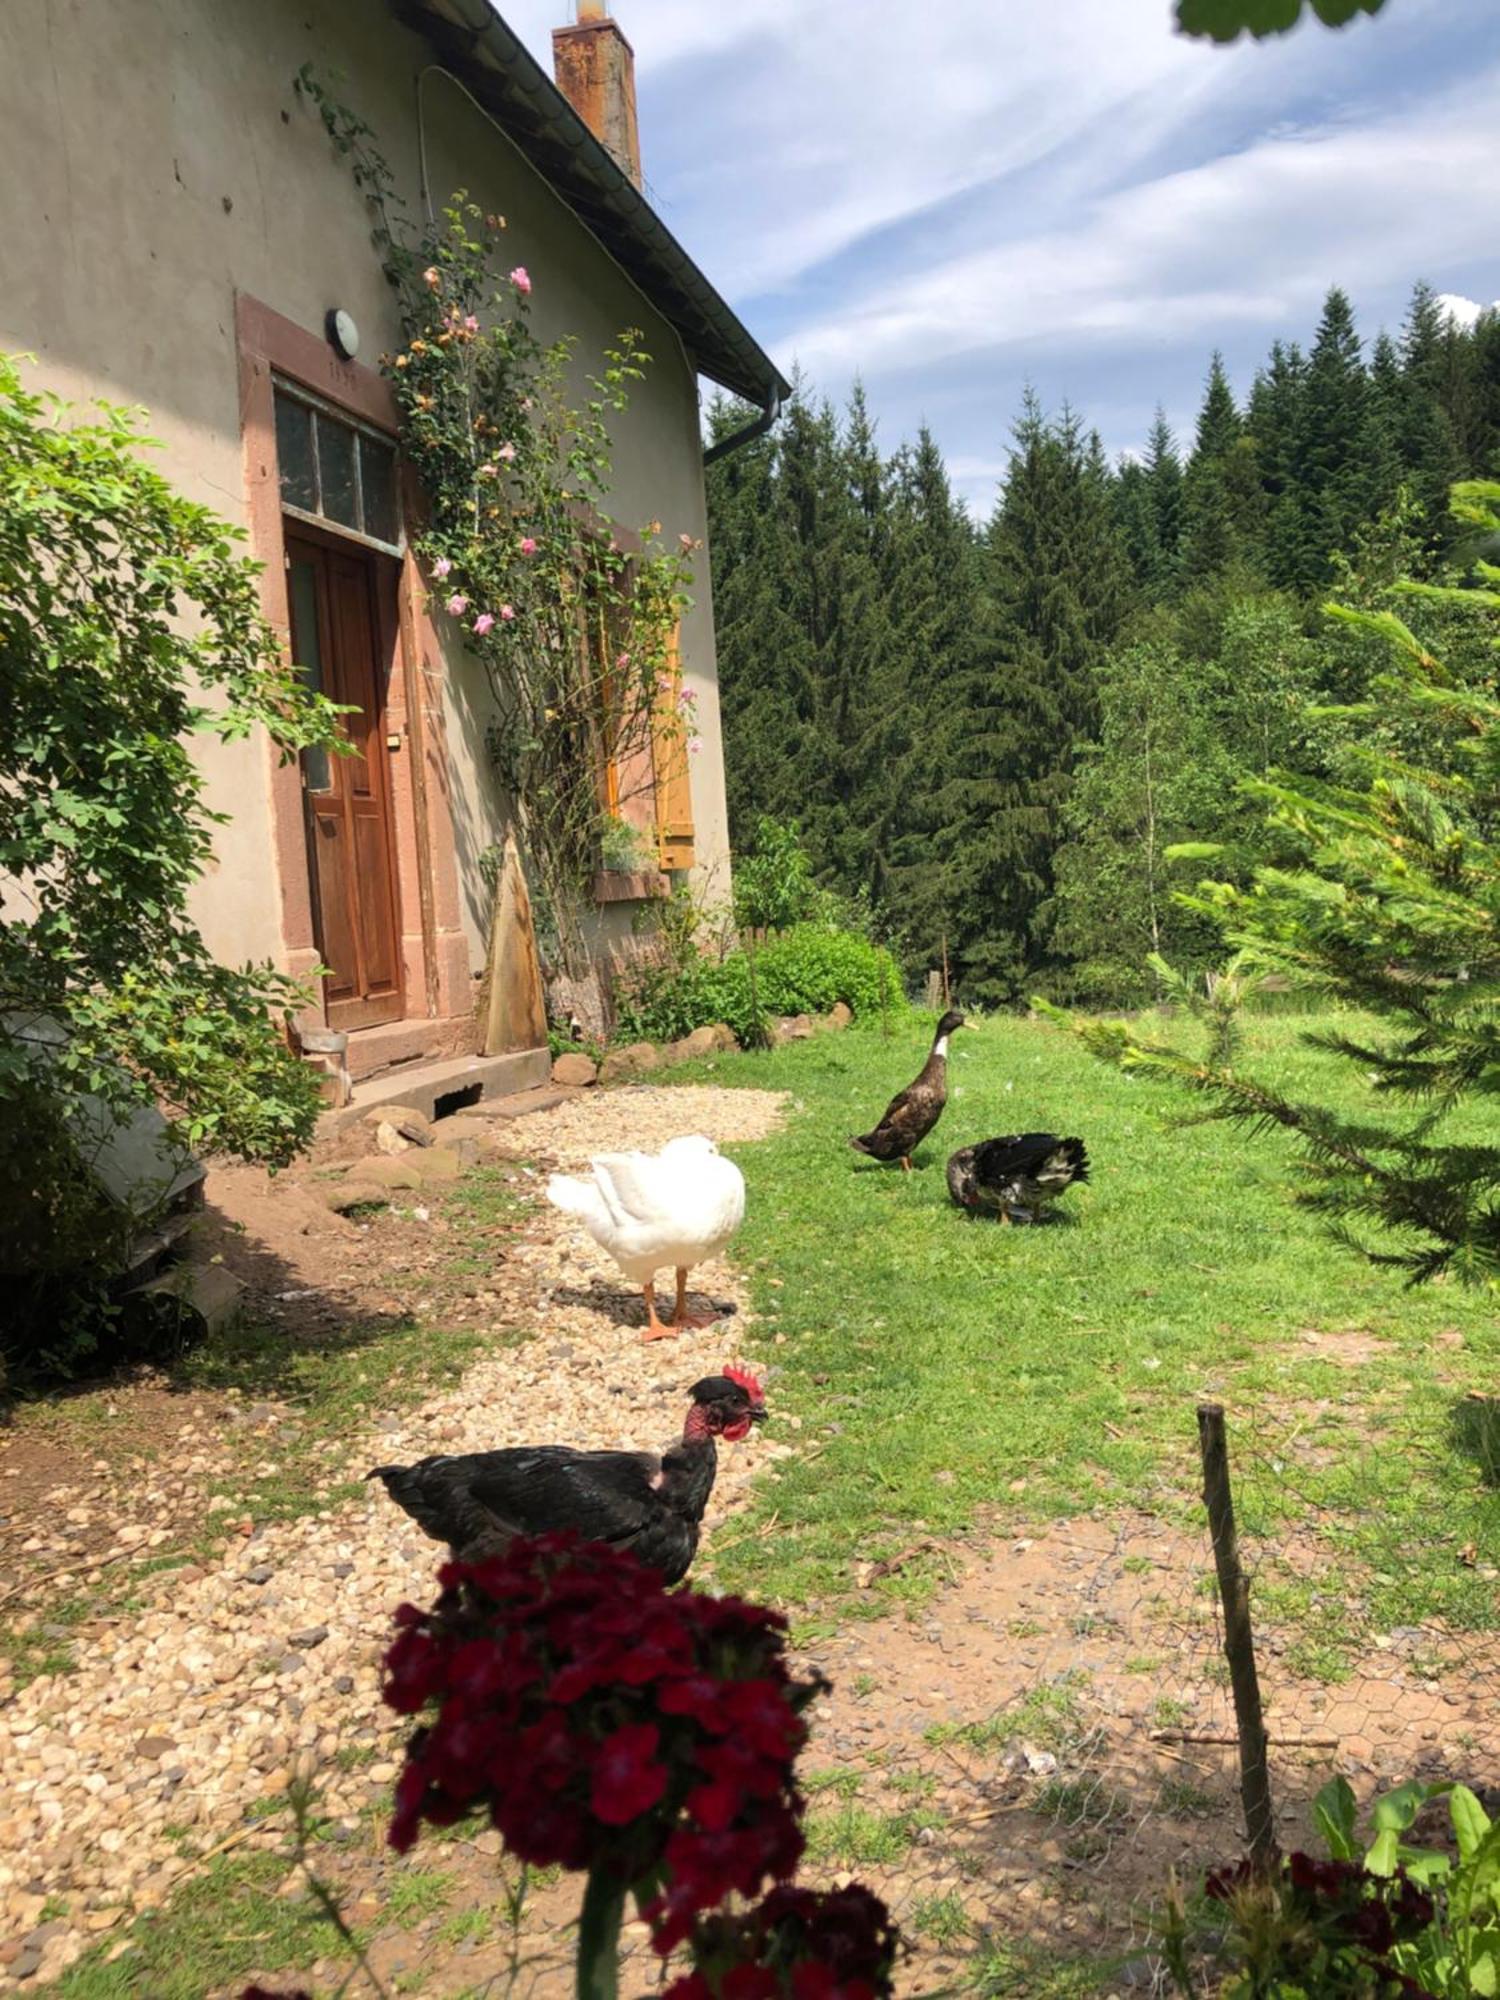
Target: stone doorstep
{"x":524,"y":1072}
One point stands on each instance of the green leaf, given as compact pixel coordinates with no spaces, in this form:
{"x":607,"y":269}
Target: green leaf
{"x":1396,"y":1811}
{"x":1334,"y":1810}
{"x":1384,"y":1853}
{"x":1470,"y":1821}
{"x":1225,"y":20}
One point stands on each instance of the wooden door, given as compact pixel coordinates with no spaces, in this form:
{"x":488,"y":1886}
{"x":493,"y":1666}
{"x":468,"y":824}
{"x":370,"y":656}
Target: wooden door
{"x":339,"y":638}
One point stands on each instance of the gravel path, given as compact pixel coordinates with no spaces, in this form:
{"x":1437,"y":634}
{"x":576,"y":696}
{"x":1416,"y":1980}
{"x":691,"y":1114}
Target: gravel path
{"x":124,"y":1774}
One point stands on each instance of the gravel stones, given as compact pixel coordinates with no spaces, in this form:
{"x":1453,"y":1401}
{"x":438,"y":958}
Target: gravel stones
{"x":186,"y":1712}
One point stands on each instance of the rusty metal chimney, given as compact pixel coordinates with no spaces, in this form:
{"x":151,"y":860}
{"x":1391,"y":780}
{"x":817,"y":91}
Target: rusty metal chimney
{"x":594,"y":67}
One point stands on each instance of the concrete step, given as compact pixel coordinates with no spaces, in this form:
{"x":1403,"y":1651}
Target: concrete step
{"x":458,"y":1083}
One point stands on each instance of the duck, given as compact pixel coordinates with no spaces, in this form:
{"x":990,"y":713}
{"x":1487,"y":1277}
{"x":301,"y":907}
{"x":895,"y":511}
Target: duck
{"x":912,"y":1113}
{"x":1017,"y":1174}
{"x":676,"y":1208}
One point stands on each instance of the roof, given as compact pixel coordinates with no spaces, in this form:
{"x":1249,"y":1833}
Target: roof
{"x":470,"y":39}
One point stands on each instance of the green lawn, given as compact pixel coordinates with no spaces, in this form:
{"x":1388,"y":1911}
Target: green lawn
{"x":935,"y":1358}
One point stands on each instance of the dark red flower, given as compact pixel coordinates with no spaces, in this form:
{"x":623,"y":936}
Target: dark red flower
{"x":628,"y":1776}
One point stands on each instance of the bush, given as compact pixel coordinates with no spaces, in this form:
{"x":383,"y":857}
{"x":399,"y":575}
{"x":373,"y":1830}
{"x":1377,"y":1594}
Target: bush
{"x":122,"y":603}
{"x":804,"y":970}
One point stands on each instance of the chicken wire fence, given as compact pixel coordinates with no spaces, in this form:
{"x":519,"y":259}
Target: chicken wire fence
{"x":1113,"y":1753}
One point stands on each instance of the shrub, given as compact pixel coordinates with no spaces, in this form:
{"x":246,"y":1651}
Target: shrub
{"x":804,"y":970}
{"x":119,"y":602}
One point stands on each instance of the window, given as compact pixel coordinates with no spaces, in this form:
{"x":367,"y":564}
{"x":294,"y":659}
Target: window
{"x":335,"y":471}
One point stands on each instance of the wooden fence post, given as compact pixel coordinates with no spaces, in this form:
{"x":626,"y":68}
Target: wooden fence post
{"x":1239,"y":1640}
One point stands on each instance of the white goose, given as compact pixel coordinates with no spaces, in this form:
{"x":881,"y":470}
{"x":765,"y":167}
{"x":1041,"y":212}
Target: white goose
{"x":679,"y":1207}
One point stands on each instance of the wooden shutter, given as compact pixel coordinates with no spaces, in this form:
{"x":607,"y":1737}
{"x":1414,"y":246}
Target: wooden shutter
{"x":669,"y":757}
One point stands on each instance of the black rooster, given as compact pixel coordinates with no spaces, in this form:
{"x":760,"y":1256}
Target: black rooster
{"x":477,"y":1501}
{"x":912,"y":1113}
{"x":1016,"y":1174}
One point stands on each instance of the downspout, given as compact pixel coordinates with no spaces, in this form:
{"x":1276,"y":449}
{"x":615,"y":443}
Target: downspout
{"x":750,"y":432}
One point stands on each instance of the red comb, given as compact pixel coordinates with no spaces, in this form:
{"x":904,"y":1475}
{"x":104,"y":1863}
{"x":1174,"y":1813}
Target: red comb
{"x":747,"y":1382}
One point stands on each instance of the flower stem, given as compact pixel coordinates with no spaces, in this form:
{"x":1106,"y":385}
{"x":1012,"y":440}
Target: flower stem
{"x":599,"y":1936}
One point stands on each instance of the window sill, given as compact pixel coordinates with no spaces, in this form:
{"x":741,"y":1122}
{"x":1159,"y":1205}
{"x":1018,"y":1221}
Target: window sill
{"x":643,"y":885}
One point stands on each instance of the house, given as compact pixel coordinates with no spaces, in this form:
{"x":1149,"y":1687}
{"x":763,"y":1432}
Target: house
{"x":178,"y":233}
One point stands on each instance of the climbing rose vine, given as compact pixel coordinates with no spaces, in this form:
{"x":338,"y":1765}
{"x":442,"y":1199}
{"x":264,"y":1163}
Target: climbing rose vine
{"x":570,"y":614}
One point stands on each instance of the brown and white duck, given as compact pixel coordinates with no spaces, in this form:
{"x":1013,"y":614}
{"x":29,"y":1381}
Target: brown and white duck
{"x":913,"y":1112}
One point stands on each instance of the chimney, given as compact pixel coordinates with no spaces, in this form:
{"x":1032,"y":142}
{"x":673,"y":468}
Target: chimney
{"x":595,"y":70}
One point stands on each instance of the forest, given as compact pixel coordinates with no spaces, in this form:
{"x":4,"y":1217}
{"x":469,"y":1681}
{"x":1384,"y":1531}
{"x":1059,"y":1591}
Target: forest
{"x":998,"y":736}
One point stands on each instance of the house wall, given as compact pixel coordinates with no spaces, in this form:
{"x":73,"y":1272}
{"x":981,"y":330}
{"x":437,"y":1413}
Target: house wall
{"x":154,"y":162}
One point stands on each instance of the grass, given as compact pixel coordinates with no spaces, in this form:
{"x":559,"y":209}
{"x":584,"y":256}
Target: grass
{"x":1048,"y":1717}
{"x":216,"y":1925}
{"x":1071,"y":1355}
{"x":854,"y":1836}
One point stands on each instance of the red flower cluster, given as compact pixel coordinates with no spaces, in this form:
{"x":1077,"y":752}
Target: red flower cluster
{"x":1350,"y":1913}
{"x":797,"y":1944}
{"x":603,"y":1721}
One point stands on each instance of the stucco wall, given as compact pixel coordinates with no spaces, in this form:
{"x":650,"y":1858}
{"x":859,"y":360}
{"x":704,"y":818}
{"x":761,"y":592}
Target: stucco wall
{"x":154,"y":159}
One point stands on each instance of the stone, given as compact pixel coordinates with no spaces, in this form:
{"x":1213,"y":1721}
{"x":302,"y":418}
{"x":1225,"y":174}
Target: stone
{"x":454,"y":1131}
{"x":359,"y":1191}
{"x":391,"y":1173}
{"x":305,"y":1641}
{"x":792,"y":1028}
{"x":440,"y":1163}
{"x":699,"y":1043}
{"x":154,"y":1747}
{"x":575,"y":1072}
{"x":628,"y":1061}
{"x":840,"y":1014}
{"x":262,"y":1573}
{"x":343,"y":1683}
{"x":405,"y":1117}
{"x":724,"y":1037}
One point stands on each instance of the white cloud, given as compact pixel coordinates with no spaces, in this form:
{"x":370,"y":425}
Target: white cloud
{"x":1252,"y":237}
{"x":1464,"y":312}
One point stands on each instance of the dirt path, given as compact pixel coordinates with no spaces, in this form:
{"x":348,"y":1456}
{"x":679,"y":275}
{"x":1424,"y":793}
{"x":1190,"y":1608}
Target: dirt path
{"x":188,"y":1709}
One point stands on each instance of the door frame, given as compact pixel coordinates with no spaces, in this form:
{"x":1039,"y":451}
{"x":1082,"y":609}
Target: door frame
{"x":382,"y":580}
{"x":436,"y":976}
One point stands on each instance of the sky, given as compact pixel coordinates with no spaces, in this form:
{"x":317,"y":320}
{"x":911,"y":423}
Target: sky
{"x":953,"y":200}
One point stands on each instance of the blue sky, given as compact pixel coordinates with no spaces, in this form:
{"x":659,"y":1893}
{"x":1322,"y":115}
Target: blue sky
{"x":954,"y":198}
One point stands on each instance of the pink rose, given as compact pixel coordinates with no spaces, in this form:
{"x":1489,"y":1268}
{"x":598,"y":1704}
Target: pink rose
{"x":471,"y":323}
{"x":622,"y":661}
{"x":484,"y":623}
{"x":528,"y":546}
{"x":694,"y":744}
{"x":507,"y":452}
{"x":507,"y":612}
{"x":431,"y":277}
{"x":441,"y":567}
{"x":457,"y":604}
{"x":685,"y":543}
{"x":520,"y":277}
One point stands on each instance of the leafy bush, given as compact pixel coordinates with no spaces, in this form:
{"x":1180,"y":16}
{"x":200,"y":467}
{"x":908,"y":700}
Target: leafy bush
{"x":804,"y":970}
{"x":121,"y":601}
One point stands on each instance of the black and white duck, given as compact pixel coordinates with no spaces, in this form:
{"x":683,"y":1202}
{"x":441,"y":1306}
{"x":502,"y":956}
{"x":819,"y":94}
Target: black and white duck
{"x":1016,"y":1176}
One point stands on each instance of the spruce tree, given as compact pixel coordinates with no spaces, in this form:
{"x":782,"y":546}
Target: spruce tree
{"x":1211,"y":538}
{"x":1275,"y":425}
{"x":1057,"y":585}
{"x":1164,"y":484}
{"x":1330,"y":462}
{"x":1425,"y":436}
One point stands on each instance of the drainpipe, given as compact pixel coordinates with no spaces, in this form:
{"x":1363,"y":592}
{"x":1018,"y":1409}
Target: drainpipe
{"x":751,"y":431}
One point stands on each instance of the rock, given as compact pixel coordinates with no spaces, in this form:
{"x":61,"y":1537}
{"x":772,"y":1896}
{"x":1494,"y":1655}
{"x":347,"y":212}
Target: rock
{"x":391,"y":1173}
{"x":441,"y":1163}
{"x":359,"y":1191}
{"x":342,"y":1569}
{"x":406,"y":1118}
{"x":262,"y":1573}
{"x":699,"y":1043}
{"x":840,"y":1014}
{"x":724,"y":1037}
{"x":343,"y":1683}
{"x":792,"y":1028}
{"x":457,"y":1130}
{"x":629,"y":1061}
{"x":575,"y":1071}
{"x":305,"y":1641}
{"x":154,"y":1747}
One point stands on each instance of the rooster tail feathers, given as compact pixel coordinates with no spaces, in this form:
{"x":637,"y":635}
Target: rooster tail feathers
{"x":1076,"y":1154}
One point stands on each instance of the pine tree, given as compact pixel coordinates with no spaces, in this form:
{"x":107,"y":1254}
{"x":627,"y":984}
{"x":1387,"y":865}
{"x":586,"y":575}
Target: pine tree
{"x":1211,"y":538}
{"x":1164,"y":482}
{"x":1275,"y":424}
{"x":1425,"y":435}
{"x":1058,"y":590}
{"x":1330,"y":463}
